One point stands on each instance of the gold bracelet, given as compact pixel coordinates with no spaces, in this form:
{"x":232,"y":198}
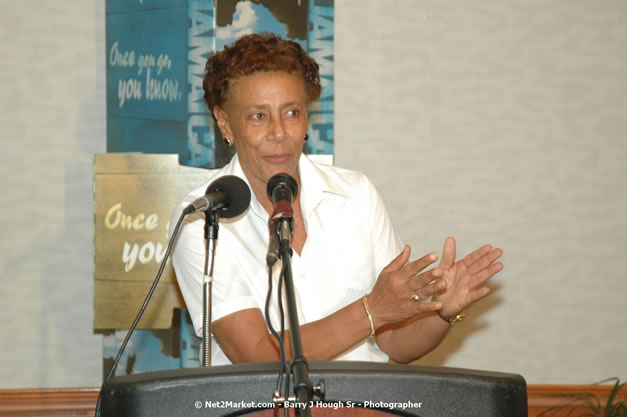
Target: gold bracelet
{"x":364,"y":299}
{"x":457,"y":318}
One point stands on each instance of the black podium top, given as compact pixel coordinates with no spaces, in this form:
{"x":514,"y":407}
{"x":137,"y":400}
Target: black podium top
{"x":402,"y":390}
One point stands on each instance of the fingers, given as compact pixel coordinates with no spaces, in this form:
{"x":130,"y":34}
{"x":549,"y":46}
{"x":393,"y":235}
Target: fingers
{"x":457,"y":284}
{"x":464,"y":281}
{"x":431,"y":288}
{"x":426,"y":277}
{"x":474,"y":256}
{"x":414,"y":267}
{"x":398,"y":262}
{"x":420,"y":264}
{"x":448,"y":253}
{"x":422,"y":307}
{"x":484,"y":261}
{"x":479,"y":293}
{"x":428,"y":284}
{"x":485,"y":274}
{"x":409,"y":279}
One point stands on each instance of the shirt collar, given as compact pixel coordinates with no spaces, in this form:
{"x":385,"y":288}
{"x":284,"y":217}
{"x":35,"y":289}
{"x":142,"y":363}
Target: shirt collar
{"x":315,"y":184}
{"x":235,"y":168}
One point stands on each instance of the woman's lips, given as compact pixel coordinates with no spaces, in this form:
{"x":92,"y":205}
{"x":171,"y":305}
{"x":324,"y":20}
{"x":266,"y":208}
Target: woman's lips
{"x":277,"y":159}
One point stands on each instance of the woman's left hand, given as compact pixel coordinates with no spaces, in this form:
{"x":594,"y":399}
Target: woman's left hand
{"x":465,"y":279}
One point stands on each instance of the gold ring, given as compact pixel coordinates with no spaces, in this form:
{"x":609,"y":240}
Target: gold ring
{"x":414,"y":297}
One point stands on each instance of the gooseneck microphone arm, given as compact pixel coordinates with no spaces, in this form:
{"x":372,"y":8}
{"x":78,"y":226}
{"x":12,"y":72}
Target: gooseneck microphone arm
{"x":219,"y":201}
{"x":211,"y":238}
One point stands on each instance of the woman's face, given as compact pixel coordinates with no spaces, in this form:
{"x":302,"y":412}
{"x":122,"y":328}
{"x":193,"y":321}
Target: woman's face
{"x":265,"y":117}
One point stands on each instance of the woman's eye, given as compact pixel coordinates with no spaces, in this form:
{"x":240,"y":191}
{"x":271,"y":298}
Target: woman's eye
{"x":293,"y":113}
{"x":256,"y":116}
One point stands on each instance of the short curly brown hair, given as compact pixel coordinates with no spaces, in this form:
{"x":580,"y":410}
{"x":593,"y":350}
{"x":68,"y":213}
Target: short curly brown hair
{"x":258,"y":53}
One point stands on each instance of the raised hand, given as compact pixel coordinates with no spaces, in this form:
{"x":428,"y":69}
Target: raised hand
{"x":465,"y":279}
{"x":401,"y":285}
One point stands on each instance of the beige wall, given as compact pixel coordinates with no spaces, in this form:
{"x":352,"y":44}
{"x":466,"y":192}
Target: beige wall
{"x":500,"y":122}
{"x":52,"y":121}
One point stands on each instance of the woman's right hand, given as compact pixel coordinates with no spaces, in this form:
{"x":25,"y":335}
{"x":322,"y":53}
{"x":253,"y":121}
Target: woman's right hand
{"x":393,"y":300}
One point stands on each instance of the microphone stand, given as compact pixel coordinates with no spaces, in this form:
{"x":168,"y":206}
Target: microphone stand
{"x":303,"y":387}
{"x":211,"y":236}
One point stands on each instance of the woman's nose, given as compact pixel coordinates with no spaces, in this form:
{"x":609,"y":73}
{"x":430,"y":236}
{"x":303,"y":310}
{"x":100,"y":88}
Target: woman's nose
{"x":278,"y":132}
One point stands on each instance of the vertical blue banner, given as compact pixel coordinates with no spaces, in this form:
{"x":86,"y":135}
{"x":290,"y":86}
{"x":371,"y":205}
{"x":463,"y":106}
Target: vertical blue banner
{"x":156,"y":54}
{"x":146,"y":76}
{"x":320,"y":47}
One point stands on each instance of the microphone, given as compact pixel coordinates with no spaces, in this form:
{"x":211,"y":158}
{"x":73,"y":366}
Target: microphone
{"x":228,"y":196}
{"x":281,"y":188}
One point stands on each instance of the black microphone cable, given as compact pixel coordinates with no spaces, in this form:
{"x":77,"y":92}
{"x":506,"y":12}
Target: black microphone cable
{"x":142,"y":309}
{"x":282,"y":316}
{"x":274,"y":333}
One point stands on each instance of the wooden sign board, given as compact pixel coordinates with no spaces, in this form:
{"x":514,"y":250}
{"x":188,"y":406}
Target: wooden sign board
{"x":134,"y":196}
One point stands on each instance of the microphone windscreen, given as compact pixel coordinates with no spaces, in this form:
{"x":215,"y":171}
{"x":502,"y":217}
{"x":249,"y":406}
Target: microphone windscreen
{"x":279,"y":184}
{"x":238,"y":195}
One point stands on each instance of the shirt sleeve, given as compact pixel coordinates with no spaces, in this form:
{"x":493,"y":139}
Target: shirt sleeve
{"x":229,"y":294}
{"x":386,"y":242}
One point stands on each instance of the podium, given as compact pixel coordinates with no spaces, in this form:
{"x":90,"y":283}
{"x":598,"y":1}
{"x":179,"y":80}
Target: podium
{"x":351,"y":388}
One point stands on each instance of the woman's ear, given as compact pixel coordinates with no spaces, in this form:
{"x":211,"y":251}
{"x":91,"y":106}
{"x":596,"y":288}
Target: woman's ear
{"x":222,"y":119}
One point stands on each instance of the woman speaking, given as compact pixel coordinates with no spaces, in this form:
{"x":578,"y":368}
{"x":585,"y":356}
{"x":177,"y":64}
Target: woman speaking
{"x":359,"y":296}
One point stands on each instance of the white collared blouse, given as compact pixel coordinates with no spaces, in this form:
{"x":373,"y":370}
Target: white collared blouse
{"x":350,"y":239}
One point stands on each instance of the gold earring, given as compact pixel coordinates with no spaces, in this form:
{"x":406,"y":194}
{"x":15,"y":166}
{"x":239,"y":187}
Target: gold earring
{"x":306,"y":137}
{"x":227,"y":141}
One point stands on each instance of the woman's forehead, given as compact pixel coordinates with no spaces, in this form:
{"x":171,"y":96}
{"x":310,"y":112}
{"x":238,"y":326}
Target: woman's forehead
{"x":266,"y":88}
